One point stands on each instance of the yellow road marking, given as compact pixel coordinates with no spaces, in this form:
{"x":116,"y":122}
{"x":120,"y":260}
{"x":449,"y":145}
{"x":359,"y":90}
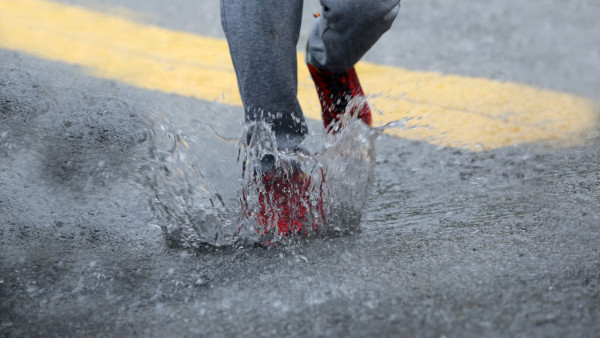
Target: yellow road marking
{"x":450,"y":110}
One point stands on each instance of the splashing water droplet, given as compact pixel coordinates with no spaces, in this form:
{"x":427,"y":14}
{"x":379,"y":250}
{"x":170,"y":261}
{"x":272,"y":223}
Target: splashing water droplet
{"x":207,"y":190}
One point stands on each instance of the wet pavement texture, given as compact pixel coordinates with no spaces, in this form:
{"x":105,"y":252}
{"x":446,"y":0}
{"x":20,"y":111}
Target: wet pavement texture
{"x":454,"y":243}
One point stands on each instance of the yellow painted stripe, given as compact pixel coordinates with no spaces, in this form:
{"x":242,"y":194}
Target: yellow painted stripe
{"x":450,"y":110}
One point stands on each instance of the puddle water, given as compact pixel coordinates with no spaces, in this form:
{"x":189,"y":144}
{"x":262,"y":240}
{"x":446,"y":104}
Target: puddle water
{"x":205,"y":191}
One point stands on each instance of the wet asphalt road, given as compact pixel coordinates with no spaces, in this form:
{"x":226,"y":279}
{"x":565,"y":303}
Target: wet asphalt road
{"x":454,"y":243}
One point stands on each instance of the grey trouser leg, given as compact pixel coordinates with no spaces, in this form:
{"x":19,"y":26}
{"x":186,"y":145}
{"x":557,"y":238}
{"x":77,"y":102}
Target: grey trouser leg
{"x":347,"y":29}
{"x":262,"y":37}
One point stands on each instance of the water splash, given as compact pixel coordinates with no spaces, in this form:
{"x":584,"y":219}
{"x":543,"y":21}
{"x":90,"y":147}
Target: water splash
{"x":205,"y":192}
{"x":282,"y":190}
{"x":189,"y":179}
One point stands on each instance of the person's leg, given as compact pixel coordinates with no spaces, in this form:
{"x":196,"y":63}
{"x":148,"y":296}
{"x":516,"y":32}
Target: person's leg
{"x":346,"y":30}
{"x":262,"y":37}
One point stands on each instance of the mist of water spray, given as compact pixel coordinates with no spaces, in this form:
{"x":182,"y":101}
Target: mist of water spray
{"x":205,"y":189}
